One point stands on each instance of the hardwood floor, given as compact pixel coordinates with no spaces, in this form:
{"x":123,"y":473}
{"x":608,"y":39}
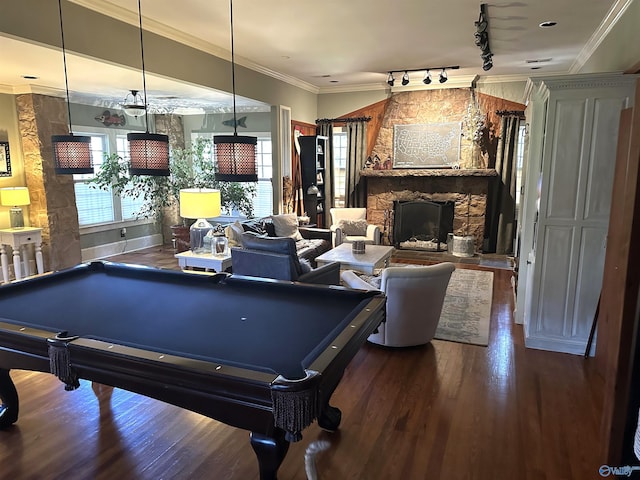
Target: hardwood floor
{"x":442,"y":411}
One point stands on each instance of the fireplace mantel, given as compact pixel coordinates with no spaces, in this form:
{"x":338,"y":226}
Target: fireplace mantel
{"x":430,"y":172}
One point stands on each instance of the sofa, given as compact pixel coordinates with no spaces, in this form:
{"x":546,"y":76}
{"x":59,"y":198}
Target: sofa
{"x":309,"y":241}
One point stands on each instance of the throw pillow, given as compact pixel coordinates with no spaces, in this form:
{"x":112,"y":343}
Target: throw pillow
{"x":286,"y":225}
{"x":305,"y":265}
{"x":234,"y":233}
{"x":254,"y":226}
{"x":374,"y":280}
{"x":353,"y":227}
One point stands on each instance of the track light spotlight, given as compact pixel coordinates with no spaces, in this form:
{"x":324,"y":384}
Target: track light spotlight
{"x":427,"y":78}
{"x":405,"y":79}
{"x":443,"y":76}
{"x":390,"y":79}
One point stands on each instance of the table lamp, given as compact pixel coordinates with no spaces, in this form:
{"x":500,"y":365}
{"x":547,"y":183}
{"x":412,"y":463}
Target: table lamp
{"x":15,"y":197}
{"x":199,"y":203}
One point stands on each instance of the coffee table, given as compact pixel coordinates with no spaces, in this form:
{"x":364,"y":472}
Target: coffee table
{"x":204,"y":260}
{"x":374,"y":256}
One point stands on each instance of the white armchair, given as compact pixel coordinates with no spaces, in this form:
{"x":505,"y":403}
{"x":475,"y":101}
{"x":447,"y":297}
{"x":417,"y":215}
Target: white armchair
{"x":349,"y":224}
{"x":415,"y":296}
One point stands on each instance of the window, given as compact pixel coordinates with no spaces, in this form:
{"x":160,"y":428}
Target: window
{"x":129,"y":205}
{"x":339,"y":165}
{"x":96,"y":206}
{"x":263,"y":201}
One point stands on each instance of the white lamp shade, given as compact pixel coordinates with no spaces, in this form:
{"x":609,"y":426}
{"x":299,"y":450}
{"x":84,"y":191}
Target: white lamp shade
{"x":199,"y":203}
{"x":14,"y":196}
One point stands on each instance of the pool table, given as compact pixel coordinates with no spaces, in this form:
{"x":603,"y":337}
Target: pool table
{"x":261,"y":355}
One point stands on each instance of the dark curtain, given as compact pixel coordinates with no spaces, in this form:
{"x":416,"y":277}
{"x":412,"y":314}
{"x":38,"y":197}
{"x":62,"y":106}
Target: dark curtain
{"x":326,"y":130}
{"x":297,"y":197}
{"x":355,"y":190}
{"x":502,"y":199}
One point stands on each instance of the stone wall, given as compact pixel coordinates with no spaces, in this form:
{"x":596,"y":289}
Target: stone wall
{"x":425,"y":107}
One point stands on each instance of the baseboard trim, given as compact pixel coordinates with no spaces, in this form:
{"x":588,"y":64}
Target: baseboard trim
{"x":574,"y":347}
{"x":117,"y":248}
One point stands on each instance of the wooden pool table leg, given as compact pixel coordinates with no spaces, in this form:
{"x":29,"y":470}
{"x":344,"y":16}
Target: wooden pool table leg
{"x":270,"y":452}
{"x":9,"y":396}
{"x":330,"y":418}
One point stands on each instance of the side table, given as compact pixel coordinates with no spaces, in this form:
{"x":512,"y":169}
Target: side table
{"x":205,"y":260}
{"x":18,"y":239}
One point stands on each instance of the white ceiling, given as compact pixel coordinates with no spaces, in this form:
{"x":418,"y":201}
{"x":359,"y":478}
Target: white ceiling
{"x":334,"y":45}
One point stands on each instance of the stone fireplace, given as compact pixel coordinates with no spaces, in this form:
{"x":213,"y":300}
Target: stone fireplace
{"x":467,"y":189}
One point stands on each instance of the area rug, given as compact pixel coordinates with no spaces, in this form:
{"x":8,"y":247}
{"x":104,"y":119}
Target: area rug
{"x":466,"y":312}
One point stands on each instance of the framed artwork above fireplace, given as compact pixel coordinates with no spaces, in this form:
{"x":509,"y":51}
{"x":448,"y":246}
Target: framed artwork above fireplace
{"x":430,"y":145}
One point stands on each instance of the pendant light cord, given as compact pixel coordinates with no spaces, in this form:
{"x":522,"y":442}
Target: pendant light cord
{"x":233,"y":73}
{"x":64,"y":63}
{"x":144,"y":80}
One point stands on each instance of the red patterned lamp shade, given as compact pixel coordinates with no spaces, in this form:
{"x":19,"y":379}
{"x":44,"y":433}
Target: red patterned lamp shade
{"x":72,"y":154}
{"x":149,"y":154}
{"x":236,"y":158}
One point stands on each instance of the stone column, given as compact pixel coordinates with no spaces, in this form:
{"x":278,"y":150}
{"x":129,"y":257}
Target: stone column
{"x":53,"y":202}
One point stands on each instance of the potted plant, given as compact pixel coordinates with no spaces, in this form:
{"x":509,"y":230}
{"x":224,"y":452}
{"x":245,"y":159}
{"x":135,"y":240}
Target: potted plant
{"x":190,"y":167}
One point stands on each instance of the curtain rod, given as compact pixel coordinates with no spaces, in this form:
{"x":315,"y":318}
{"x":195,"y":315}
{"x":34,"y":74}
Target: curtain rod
{"x":343,"y":120}
{"x":517,"y":113}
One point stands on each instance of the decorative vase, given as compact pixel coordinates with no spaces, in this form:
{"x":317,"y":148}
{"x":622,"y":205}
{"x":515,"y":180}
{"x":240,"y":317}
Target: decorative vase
{"x":357,"y":246}
{"x":180,"y":238}
{"x":463,"y":246}
{"x":220,"y":246}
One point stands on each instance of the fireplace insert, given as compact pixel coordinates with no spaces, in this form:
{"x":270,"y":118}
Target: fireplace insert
{"x":422,"y":224}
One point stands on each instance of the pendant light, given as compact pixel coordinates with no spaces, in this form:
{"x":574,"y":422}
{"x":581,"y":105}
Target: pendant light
{"x":71,"y":153}
{"x":133,"y":104}
{"x":148,"y":152}
{"x":235,"y":154}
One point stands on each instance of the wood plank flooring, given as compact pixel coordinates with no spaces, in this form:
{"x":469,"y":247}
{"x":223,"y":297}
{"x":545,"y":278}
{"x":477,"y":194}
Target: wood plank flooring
{"x":442,"y":411}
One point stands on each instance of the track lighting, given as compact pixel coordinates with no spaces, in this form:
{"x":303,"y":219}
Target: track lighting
{"x":427,"y":75}
{"x":482,"y":38}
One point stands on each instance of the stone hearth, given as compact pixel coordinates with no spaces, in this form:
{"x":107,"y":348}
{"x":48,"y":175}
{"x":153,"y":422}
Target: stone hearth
{"x":467,"y":188}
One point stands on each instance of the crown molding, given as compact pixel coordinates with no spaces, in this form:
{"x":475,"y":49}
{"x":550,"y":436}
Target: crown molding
{"x":613,"y":16}
{"x":491,"y":79}
{"x":458,"y":81}
{"x":112,"y":10}
{"x":539,"y":85}
{"x":32,"y":89}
